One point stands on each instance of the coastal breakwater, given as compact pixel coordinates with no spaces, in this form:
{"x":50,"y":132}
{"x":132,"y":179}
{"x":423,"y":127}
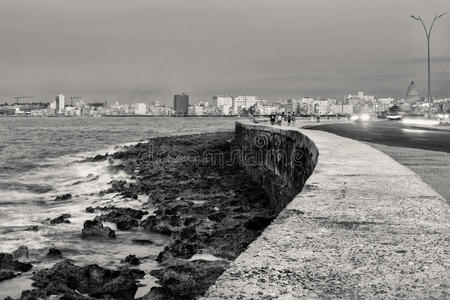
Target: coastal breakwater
{"x":213,"y":194}
{"x":279,"y":159}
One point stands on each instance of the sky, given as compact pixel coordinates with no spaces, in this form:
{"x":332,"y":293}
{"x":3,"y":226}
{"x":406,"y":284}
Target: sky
{"x":147,"y":50}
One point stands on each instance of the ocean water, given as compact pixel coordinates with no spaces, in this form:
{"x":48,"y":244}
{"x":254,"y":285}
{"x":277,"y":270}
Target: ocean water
{"x":41,"y":158}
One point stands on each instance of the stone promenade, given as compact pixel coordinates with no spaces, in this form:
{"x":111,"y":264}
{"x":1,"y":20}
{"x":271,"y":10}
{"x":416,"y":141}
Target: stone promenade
{"x":363,"y":227}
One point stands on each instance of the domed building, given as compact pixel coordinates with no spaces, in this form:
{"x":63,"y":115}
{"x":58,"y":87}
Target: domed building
{"x":412,"y":95}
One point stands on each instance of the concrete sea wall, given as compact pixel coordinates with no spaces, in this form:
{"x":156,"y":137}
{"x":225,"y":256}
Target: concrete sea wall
{"x":279,"y":159}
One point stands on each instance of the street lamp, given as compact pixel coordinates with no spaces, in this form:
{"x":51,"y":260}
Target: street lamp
{"x":428,"y":34}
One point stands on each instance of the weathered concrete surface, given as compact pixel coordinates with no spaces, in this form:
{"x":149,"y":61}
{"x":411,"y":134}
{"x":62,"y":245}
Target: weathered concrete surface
{"x":432,"y":166}
{"x":364,"y":227}
{"x":279,"y":159}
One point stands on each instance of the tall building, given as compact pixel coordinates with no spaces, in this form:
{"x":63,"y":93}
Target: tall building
{"x":181,"y":104}
{"x":60,"y":104}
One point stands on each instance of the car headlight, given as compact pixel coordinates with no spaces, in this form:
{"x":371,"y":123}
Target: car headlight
{"x":365,"y":117}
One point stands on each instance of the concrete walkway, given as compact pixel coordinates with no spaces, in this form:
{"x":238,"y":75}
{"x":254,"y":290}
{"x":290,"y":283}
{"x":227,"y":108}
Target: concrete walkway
{"x":364,"y":227}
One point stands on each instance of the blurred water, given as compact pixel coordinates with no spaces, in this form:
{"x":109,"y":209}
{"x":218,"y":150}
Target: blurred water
{"x":41,"y":158}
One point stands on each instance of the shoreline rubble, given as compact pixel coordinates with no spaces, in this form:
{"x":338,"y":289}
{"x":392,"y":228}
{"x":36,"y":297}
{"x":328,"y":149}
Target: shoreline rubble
{"x":203,"y":200}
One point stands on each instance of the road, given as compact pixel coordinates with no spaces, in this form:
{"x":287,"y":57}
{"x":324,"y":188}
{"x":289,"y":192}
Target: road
{"x":391,"y":134}
{"x":426,"y":152}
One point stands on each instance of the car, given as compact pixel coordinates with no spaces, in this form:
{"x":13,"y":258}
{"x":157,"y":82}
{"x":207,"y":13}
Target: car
{"x":363,"y":117}
{"x":394,"y":117}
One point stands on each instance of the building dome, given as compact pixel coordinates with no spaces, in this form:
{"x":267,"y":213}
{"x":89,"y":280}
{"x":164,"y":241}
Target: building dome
{"x":412,"y":95}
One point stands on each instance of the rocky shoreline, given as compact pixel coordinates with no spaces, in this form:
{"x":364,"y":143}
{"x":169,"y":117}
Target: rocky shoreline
{"x":206,"y":203}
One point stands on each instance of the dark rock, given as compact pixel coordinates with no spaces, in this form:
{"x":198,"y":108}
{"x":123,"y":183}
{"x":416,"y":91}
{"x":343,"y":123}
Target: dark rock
{"x":32,"y":228}
{"x":95,"y":228}
{"x":6,"y":274}
{"x":98,"y":157}
{"x":61,"y":219}
{"x":127,"y":189}
{"x":21,"y":252}
{"x":124,"y":218}
{"x":163,"y":224}
{"x":90,"y":209}
{"x":217,"y":216}
{"x":54,"y":253}
{"x":132,"y":260}
{"x":142,"y":242}
{"x":7,"y":261}
{"x":63,"y":197}
{"x":189,"y":279}
{"x":67,"y":278}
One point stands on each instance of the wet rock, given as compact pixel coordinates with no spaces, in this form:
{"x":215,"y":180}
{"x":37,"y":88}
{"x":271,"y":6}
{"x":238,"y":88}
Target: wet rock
{"x":63,"y":197}
{"x":124,"y":218}
{"x":61,"y":219}
{"x":6,"y":274}
{"x":98,"y":157}
{"x":54,"y":253}
{"x":189,"y":279}
{"x":8,"y":262}
{"x":132,"y":260}
{"x":163,"y":224}
{"x":127,"y":189}
{"x":217,"y":216}
{"x":68,"y":279}
{"x":21,"y":252}
{"x":95,"y":228}
{"x":32,"y":228}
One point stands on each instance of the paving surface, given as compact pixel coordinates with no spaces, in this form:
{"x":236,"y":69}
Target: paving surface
{"x":364,"y":227}
{"x":432,"y":166}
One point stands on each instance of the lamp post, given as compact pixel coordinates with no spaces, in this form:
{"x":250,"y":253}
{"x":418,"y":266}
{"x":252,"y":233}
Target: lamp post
{"x":428,"y":34}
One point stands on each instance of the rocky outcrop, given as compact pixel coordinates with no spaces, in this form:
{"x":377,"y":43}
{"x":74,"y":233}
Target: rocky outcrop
{"x":63,"y":197}
{"x":54,"y":253}
{"x":10,"y":265}
{"x":95,"y":229}
{"x":186,"y":279}
{"x":124,"y":218}
{"x":21,"y":253}
{"x":61,"y":219}
{"x":132,"y":260}
{"x":69,"y":281}
{"x":6,"y":274}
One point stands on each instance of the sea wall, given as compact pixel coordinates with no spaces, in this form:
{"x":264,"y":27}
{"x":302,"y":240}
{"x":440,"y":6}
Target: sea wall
{"x":278,"y":158}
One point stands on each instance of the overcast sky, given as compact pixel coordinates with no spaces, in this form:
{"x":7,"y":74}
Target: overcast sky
{"x":131,"y":50}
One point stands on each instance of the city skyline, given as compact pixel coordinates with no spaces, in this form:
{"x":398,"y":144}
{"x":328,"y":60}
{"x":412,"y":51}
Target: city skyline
{"x":127,"y":52}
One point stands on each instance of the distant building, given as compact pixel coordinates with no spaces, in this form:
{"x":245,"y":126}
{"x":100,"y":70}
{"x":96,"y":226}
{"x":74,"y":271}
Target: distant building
{"x":412,"y":93}
{"x":140,"y":109}
{"x":60,"y":104}
{"x":224,"y":104}
{"x":181,"y":104}
{"x":383,"y":104}
{"x":242,"y":103}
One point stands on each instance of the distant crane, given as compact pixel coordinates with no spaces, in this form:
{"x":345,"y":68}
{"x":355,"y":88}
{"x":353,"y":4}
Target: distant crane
{"x":71,"y":99}
{"x":22,"y":97}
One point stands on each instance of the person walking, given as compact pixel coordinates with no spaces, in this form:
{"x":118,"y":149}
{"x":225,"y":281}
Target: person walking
{"x":289,"y":119}
{"x":273,"y":118}
{"x":279,"y":119}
